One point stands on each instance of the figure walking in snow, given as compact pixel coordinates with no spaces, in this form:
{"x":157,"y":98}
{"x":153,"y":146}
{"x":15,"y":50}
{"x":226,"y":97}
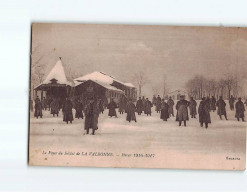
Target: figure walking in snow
{"x":231,"y":102}
{"x":112,"y":108}
{"x":67,"y":111}
{"x":164,"y":110}
{"x":130,"y":109}
{"x":204,"y":113}
{"x":212,"y":103}
{"x":91,"y":116}
{"x":122,"y":104}
{"x":78,"y":109}
{"x":54,"y":107}
{"x":192,"y":107}
{"x":170,"y":103}
{"x":143,"y":104}
{"x":38,"y":108}
{"x":148,"y":106}
{"x":221,"y":108}
{"x":239,"y":109}
{"x":158,"y":104}
{"x":182,"y":110}
{"x":139,"y":106}
{"x":154,"y":100}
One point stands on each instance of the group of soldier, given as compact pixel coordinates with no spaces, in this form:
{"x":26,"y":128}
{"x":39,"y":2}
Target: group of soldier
{"x":94,"y":106}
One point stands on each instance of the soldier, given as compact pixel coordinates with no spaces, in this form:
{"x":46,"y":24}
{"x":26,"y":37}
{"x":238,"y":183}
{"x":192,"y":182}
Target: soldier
{"x":212,"y":103}
{"x":170,"y":103}
{"x":112,"y":108}
{"x":122,"y":104}
{"x":231,"y":102}
{"x":78,"y":109}
{"x":130,"y":109}
{"x":192,"y":107}
{"x":204,"y":114}
{"x":239,"y":109}
{"x":38,"y":108}
{"x":67,"y":111}
{"x":148,"y":107}
{"x":221,"y":108}
{"x":164,"y":110}
{"x":182,"y":110}
{"x":54,"y":107}
{"x":154,"y":100}
{"x":143,"y":104}
{"x":139,"y":106}
{"x":91,"y":116}
{"x":158,"y":104}
{"x":101,"y":106}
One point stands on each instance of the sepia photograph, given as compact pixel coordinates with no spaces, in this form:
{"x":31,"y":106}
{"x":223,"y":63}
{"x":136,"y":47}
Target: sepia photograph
{"x":138,"y":96}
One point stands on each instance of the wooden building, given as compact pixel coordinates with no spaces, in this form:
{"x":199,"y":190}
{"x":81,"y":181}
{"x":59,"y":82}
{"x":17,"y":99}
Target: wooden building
{"x":55,"y":85}
{"x":104,"y":87}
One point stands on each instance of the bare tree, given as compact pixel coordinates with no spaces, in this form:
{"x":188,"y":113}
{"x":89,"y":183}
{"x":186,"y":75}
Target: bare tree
{"x":140,"y":79}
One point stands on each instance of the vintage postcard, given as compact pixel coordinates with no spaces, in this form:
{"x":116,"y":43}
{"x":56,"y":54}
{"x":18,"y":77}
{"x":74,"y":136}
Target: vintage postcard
{"x":138,"y":96}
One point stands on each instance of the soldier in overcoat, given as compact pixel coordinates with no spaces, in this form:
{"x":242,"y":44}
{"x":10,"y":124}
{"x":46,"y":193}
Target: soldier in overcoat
{"x":139,"y":106}
{"x":91,"y":116}
{"x":239,"y":109}
{"x":38,"y":108}
{"x":164,"y":115}
{"x":221,"y":108}
{"x":122,"y":104}
{"x":170,"y":103}
{"x":212,"y":103}
{"x":148,"y":106}
{"x":67,"y":111}
{"x":182,"y":110}
{"x":204,"y":113}
{"x":231,"y":102}
{"x":54,"y":107}
{"x":158,"y":104}
{"x":78,"y":109}
{"x":130,"y":109}
{"x":112,"y":108}
{"x":192,"y":107}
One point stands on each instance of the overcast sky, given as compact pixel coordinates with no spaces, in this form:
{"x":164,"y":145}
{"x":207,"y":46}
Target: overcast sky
{"x":122,"y":50}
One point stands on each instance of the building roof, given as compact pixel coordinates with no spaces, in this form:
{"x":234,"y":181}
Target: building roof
{"x":129,"y":85}
{"x":100,"y":77}
{"x":110,"y":87}
{"x":57,"y":73}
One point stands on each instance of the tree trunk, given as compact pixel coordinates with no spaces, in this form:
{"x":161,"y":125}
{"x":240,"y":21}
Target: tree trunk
{"x":140,"y":91}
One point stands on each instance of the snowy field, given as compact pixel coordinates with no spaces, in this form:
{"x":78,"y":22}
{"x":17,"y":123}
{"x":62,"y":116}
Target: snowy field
{"x":165,"y":143}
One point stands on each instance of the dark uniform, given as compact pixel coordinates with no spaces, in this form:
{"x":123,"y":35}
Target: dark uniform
{"x":182,"y":111}
{"x":164,"y":111}
{"x":239,"y":109}
{"x":91,"y":116}
{"x":221,"y":108}
{"x":204,"y":113}
{"x":112,"y":108}
{"x":67,"y":111}
{"x":130,"y":109}
{"x":139,"y":106}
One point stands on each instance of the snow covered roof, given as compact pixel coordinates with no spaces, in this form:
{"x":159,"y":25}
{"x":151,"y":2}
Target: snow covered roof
{"x":100,"y":77}
{"x":96,"y":76}
{"x":57,"y":73}
{"x":129,"y":84}
{"x":110,"y":87}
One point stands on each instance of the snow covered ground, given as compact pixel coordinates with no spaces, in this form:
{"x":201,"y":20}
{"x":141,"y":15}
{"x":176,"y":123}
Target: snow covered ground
{"x":150,"y":142}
